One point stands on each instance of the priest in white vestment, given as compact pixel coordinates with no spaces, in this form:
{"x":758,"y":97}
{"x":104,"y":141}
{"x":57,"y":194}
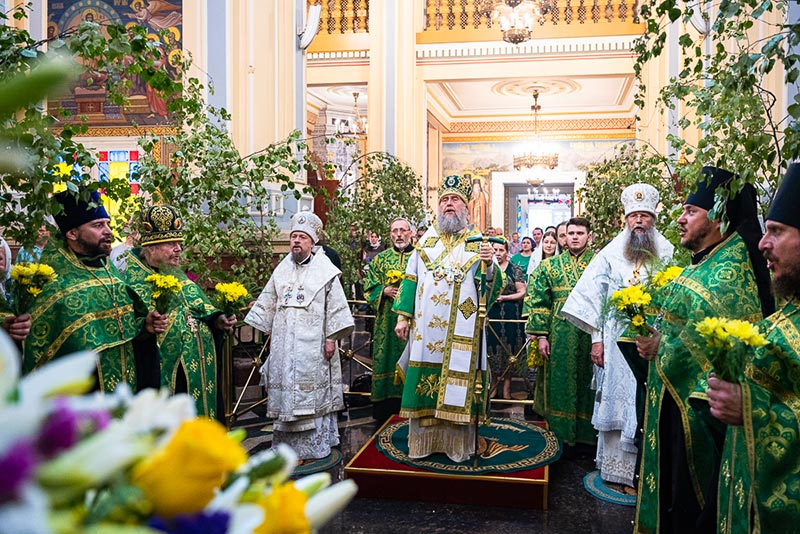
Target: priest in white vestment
{"x":304,"y":308}
{"x":627,"y":260}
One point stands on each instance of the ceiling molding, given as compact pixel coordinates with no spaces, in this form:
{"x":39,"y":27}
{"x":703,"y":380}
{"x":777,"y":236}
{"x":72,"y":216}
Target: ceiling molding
{"x":342,"y":55}
{"x":616,"y":123}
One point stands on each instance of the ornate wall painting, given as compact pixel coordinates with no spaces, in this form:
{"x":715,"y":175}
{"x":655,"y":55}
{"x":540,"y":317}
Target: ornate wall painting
{"x":87,"y":97}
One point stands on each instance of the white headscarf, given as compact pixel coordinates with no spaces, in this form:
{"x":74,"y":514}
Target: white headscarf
{"x":7,"y":267}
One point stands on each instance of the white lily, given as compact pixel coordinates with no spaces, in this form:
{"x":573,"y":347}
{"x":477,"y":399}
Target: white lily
{"x":27,"y":514}
{"x":280,"y":475}
{"x":156,"y":410}
{"x":20,"y":421}
{"x":93,"y":461}
{"x":9,"y":367}
{"x":70,"y":374}
{"x":245,"y":518}
{"x":324,"y":505}
{"x":313,"y":484}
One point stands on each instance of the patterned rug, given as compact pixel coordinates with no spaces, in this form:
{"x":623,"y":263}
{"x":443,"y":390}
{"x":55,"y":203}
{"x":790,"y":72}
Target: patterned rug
{"x":597,"y":487}
{"x":505,"y":446}
{"x":317,"y":466}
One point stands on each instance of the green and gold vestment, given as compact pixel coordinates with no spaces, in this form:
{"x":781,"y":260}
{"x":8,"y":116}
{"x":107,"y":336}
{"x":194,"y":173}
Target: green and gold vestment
{"x":386,"y":346}
{"x":88,"y":307}
{"x":187,"y":346}
{"x":722,"y":284}
{"x":759,"y":484}
{"x":563,"y":388}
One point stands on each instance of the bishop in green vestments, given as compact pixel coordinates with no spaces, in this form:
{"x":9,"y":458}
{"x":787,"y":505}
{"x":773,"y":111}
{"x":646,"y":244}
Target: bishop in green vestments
{"x":682,"y":441}
{"x":89,"y":306}
{"x":185,"y":352}
{"x":563,"y":394}
{"x":381,"y":284}
{"x":439,"y":303}
{"x":759,"y":483}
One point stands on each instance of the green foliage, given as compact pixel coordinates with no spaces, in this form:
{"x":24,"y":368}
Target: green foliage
{"x":224,"y":198}
{"x":31,"y":135}
{"x":606,"y":180}
{"x":386,"y":188}
{"x":722,"y":92}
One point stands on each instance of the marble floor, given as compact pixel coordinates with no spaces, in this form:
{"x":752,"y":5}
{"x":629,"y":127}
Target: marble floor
{"x":571,"y":508}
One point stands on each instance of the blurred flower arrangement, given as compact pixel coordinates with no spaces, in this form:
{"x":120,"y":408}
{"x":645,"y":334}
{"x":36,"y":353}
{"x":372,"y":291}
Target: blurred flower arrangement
{"x":231,"y":297}
{"x":27,"y":281}
{"x":142,"y":464}
{"x":727,"y":344}
{"x":393,"y":277}
{"x":662,"y":278}
{"x":165,"y":288}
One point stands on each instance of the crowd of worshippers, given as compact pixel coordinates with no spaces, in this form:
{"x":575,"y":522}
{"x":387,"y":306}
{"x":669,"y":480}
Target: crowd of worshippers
{"x":700,"y":453}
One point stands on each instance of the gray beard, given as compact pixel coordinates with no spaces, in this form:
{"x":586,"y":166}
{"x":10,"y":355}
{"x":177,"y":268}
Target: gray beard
{"x":640,"y":248}
{"x":452,"y":224}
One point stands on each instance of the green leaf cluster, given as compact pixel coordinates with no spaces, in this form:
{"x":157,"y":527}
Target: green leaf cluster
{"x":386,"y":188}
{"x":33,"y":140}
{"x":720,"y":89}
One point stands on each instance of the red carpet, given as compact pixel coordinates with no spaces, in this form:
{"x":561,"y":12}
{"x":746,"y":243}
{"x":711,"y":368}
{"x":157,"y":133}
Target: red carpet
{"x":379,"y":477}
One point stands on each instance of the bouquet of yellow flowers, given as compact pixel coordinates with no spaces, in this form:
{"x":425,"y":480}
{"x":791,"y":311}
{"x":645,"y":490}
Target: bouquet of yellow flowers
{"x":141,"y":464}
{"x":165,"y":289}
{"x":630,"y":302}
{"x":727,"y":343}
{"x":27,"y":280}
{"x":393,"y":277}
{"x":231,"y":297}
{"x":662,"y":278}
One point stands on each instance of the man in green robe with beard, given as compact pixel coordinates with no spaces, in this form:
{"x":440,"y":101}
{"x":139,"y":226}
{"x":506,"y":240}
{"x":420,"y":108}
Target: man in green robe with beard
{"x":89,"y":306}
{"x":185,"y":352}
{"x":759,"y":486}
{"x":380,"y":289}
{"x":682,"y":441}
{"x":563,"y":395}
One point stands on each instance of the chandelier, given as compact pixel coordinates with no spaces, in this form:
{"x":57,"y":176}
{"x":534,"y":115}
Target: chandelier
{"x":516,"y":17}
{"x":536,"y":157}
{"x":360,"y":125}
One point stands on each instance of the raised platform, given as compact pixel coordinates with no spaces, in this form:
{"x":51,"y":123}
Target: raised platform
{"x":380,"y":477}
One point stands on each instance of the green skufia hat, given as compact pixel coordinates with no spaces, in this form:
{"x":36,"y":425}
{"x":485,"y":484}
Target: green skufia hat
{"x":161,"y":224}
{"x":784,"y":206}
{"x":456,"y":185}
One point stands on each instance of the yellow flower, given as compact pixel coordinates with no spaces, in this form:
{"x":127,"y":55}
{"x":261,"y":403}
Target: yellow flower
{"x":637,"y":320}
{"x":666,"y":276}
{"x":393,"y":276}
{"x":745,"y":332}
{"x":232,"y":291}
{"x":181,"y":477}
{"x":34,"y":291}
{"x":284,"y":511}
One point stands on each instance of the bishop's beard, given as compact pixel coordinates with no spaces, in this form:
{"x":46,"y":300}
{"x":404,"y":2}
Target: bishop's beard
{"x":451,"y":224}
{"x":640,"y":247}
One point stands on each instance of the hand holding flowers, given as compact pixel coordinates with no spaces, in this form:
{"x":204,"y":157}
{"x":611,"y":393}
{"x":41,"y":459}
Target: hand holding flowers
{"x":27,"y":281}
{"x":727,"y":342}
{"x":165,"y":289}
{"x":393,"y":277}
{"x":231,"y":297}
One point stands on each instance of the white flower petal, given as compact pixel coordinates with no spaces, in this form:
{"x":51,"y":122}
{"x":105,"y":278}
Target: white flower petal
{"x":245,"y":519}
{"x":20,"y":421}
{"x":324,"y":505}
{"x":313,"y":484}
{"x":57,"y":376}
{"x":9,"y":366}
{"x":26,"y":515}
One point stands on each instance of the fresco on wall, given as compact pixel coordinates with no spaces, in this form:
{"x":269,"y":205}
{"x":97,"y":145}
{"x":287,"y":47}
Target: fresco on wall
{"x":573,"y":155}
{"x":88,"y":96}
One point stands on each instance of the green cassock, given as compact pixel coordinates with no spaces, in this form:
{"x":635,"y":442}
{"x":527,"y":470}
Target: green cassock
{"x":88,"y":307}
{"x":188,"y":344}
{"x":386,"y":346}
{"x":563,"y":389}
{"x":759,"y":484}
{"x":722,"y":284}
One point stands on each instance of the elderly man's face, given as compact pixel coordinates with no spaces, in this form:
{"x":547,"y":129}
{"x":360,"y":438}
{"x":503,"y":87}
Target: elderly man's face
{"x":781,"y":248}
{"x":639,"y":222}
{"x":301,"y":244}
{"x":451,"y":204}
{"x":401,"y":234}
{"x":164,"y":254}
